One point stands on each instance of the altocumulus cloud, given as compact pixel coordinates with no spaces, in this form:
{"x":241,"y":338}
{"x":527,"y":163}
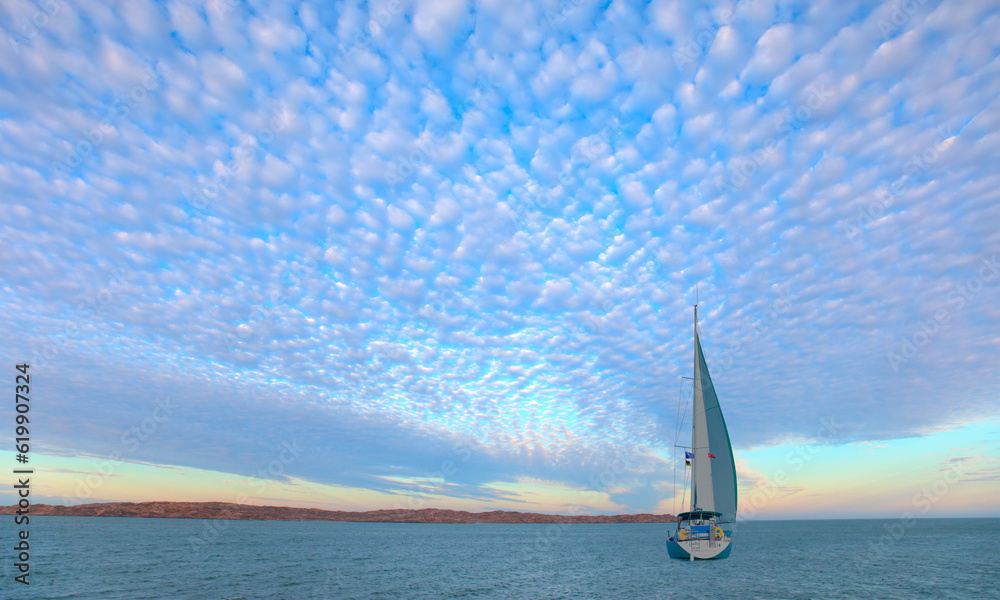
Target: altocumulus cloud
{"x":389,"y":230}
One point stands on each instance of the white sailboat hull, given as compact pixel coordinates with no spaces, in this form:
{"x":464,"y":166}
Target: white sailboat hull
{"x":699,"y":549}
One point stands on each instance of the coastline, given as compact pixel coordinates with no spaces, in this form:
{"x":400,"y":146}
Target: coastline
{"x":227,"y":510}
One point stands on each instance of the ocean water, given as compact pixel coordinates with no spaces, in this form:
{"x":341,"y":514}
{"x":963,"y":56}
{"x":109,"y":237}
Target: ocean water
{"x":124,"y":558}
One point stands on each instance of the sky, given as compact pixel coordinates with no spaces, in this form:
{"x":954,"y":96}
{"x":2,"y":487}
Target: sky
{"x":444,"y":254}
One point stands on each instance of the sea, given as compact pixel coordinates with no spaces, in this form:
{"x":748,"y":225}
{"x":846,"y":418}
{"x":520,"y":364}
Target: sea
{"x":77,"y":558}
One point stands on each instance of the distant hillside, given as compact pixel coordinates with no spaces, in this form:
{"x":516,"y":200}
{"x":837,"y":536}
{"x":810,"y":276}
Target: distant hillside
{"x":225,"y":510}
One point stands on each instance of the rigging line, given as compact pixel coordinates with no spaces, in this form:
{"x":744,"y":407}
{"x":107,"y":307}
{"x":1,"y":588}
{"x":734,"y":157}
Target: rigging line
{"x":683,"y":418}
{"x":684,"y":496}
{"x":677,"y":418}
{"x":705,"y":412}
{"x":680,"y":394}
{"x":677,"y":435}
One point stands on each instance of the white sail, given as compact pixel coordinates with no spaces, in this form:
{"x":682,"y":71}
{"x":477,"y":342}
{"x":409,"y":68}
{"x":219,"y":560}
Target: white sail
{"x":713,"y":469}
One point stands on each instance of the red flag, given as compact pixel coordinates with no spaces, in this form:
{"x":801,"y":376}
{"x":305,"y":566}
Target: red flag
{"x":710,"y":455}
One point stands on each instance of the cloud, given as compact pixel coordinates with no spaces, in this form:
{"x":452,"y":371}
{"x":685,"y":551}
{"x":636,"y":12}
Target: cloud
{"x":437,"y":23}
{"x":445,"y":229}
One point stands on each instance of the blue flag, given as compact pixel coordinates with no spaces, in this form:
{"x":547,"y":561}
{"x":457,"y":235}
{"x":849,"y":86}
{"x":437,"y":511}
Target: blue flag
{"x":688,"y":454}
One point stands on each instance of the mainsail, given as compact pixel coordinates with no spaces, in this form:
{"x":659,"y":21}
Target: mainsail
{"x":713,"y":470}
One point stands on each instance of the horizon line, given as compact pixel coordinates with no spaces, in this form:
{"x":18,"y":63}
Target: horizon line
{"x":13,"y":507}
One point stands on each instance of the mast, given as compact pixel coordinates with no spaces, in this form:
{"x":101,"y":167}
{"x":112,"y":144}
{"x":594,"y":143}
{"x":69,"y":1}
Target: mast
{"x":696,"y":401}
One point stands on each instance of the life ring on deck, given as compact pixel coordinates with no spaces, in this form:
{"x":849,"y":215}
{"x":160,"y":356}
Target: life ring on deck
{"x":718,"y":533}
{"x":681,"y":535}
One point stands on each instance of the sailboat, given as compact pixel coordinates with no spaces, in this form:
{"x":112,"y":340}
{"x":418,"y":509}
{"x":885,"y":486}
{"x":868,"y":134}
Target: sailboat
{"x":705,"y":530}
